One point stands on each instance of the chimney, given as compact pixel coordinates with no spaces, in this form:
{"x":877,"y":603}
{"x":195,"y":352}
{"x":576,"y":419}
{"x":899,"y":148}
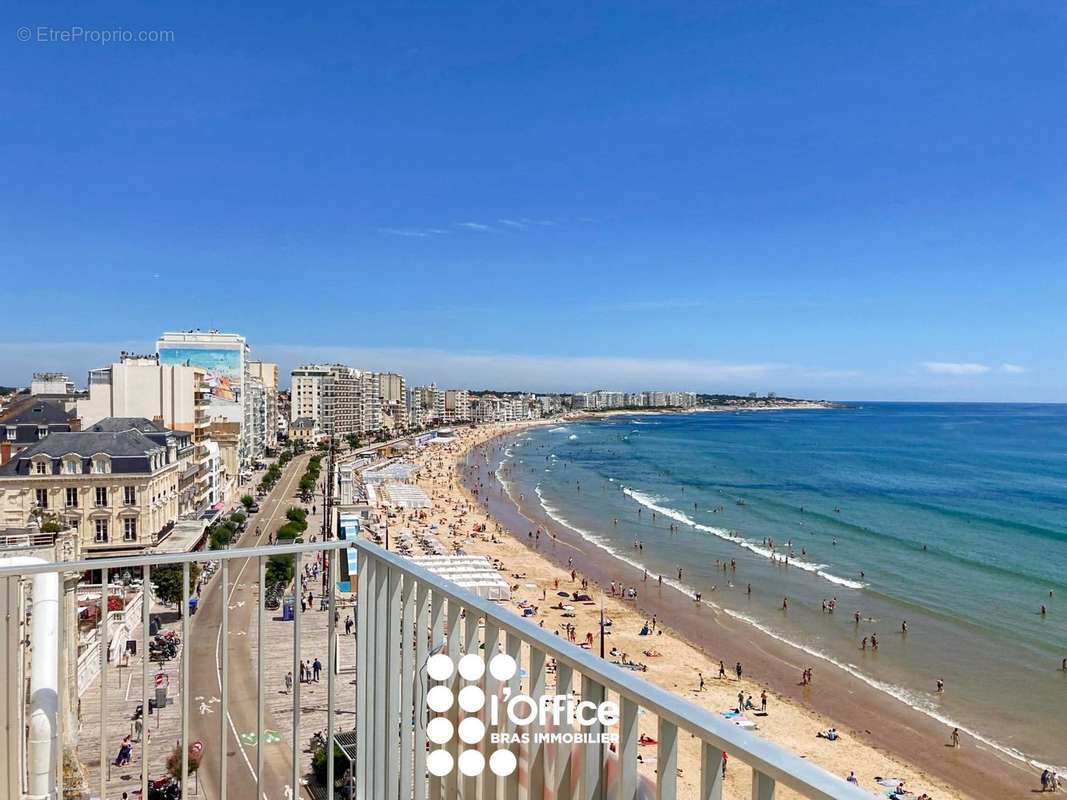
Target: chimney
{"x":75,"y":424}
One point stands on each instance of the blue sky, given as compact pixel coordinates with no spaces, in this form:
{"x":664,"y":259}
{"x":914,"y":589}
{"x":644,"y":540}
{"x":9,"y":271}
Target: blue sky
{"x":849,"y":200}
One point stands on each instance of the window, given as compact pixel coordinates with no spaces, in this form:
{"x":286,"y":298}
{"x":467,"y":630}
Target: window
{"x":129,"y":530}
{"x":101,"y":465}
{"x":101,"y":497}
{"x":42,"y":431}
{"x":42,"y":498}
{"x":72,"y":497}
{"x":100,"y":530}
{"x":71,"y":466}
{"x":40,"y":467}
{"x":11,"y":434}
{"x":129,"y":495}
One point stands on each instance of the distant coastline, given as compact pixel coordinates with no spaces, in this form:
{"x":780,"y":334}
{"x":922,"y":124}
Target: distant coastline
{"x":719,"y":404}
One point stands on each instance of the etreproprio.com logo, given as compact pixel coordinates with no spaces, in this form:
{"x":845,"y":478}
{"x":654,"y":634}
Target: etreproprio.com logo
{"x":554,"y":715}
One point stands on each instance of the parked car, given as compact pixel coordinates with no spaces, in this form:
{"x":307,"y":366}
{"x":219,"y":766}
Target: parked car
{"x":254,"y":508}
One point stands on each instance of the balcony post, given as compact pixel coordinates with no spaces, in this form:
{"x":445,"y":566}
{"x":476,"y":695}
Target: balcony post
{"x":628,"y":736}
{"x":185,"y":675}
{"x":101,"y":639}
{"x":535,"y":751}
{"x":379,"y":732}
{"x":364,"y":601}
{"x":437,"y":640}
{"x":762,"y":786}
{"x":224,"y":708}
{"x":422,"y":645}
{"x":711,"y":777}
{"x":492,"y":689}
{"x":451,"y":788}
{"x":146,"y":608}
{"x":470,"y":645}
{"x":407,"y":676}
{"x":592,"y":770}
{"x":667,"y":763}
{"x":393,"y":678}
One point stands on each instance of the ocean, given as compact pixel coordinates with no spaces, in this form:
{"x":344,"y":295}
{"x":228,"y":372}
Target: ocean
{"x":949,"y":517}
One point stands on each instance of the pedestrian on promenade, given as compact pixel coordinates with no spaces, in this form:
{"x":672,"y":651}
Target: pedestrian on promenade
{"x":303,"y":673}
{"x":316,"y":668}
{"x":289,"y":682}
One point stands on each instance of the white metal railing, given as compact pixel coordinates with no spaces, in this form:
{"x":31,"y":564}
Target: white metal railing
{"x":405,"y":613}
{"x":120,"y":626}
{"x":12,"y":735}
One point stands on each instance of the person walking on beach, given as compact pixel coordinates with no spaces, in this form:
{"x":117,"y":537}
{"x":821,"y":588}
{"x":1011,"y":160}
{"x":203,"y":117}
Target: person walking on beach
{"x":940,"y":685}
{"x":956,"y":738}
{"x":737,"y":670}
{"x":722,"y":671}
{"x":700,"y":676}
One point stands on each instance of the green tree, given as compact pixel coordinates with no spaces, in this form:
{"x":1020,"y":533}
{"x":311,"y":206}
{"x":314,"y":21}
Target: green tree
{"x":279,"y":571}
{"x":289,"y":531}
{"x":248,"y":500}
{"x":167,"y":581}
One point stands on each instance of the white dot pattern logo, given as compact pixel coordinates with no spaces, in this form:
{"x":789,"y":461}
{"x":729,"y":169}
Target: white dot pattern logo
{"x":471,"y":699}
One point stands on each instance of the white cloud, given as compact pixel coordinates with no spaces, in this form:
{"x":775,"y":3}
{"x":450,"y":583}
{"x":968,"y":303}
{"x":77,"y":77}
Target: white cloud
{"x":955,"y":368}
{"x":1012,"y":369}
{"x":511,"y":223}
{"x":401,"y":232}
{"x":473,"y":226}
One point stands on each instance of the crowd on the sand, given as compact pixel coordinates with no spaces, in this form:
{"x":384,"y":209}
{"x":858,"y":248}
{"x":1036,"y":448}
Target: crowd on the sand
{"x":460,"y":519}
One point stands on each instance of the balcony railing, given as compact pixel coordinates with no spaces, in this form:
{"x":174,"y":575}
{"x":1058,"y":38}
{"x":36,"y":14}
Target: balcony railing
{"x":404,"y":615}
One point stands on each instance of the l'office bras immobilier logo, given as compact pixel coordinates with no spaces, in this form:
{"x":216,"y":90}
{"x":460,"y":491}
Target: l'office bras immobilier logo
{"x":557,"y":718}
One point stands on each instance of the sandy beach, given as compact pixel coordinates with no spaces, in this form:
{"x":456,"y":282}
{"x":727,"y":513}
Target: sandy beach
{"x":880,"y":737}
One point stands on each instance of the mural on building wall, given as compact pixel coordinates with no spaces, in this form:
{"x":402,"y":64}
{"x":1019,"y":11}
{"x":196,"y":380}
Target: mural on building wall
{"x":223,"y":373}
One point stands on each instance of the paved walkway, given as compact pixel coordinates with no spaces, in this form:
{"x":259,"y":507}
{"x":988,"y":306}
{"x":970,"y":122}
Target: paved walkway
{"x":124,"y":694}
{"x":124,"y":690}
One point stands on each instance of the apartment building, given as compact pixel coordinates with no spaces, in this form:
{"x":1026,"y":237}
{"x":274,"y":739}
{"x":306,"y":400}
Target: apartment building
{"x":305,"y":392}
{"x":266,"y":373}
{"x":340,"y":399}
{"x":393,"y":390}
{"x":119,"y":484}
{"x":51,"y":383}
{"x":456,"y":406}
{"x":224,"y":360}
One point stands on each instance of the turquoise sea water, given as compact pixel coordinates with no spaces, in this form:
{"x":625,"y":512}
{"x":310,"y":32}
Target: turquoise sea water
{"x":951,"y":517}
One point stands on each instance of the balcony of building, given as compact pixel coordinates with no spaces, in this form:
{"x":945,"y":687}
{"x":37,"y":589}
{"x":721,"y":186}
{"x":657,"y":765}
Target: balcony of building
{"x":381,"y":634}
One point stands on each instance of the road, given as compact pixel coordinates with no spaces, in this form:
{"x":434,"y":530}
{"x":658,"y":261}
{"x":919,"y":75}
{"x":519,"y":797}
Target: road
{"x":206,"y":657}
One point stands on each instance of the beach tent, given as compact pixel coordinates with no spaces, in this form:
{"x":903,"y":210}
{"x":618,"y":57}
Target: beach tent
{"x":474,"y":573}
{"x":403,"y":495}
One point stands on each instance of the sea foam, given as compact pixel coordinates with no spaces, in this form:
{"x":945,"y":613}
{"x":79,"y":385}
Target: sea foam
{"x":650,"y":502}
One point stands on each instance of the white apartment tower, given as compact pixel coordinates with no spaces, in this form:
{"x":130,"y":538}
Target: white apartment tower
{"x":341,"y":400}
{"x":305,"y":393}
